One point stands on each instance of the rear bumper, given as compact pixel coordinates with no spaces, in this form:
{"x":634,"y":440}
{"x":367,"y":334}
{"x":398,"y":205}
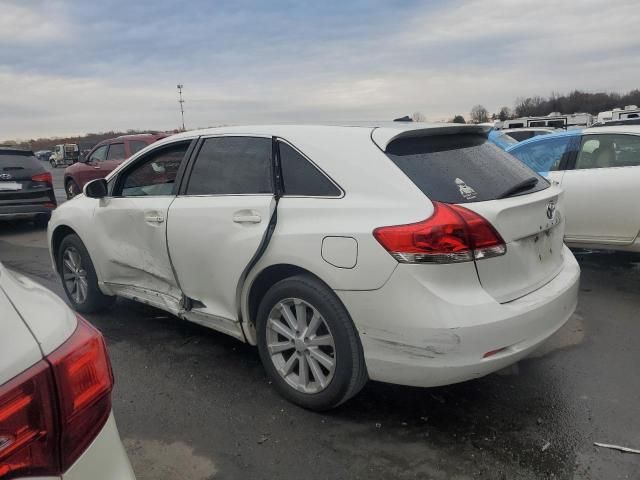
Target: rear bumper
{"x":435,"y":330}
{"x":11,"y":212}
{"x":105,"y":459}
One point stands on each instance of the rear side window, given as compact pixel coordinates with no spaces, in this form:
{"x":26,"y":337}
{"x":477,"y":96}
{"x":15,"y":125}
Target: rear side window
{"x":300,"y":177}
{"x":543,"y":156}
{"x":232,"y":165}
{"x":460,"y":168}
{"x":116,"y":151}
{"x":137,"y":145}
{"x":11,"y":161}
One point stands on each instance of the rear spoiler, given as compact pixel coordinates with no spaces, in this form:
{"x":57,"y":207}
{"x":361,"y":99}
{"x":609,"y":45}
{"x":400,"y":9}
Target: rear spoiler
{"x":383,"y":136}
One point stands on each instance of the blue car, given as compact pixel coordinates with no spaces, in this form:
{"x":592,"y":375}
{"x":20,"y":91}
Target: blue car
{"x":546,"y":153}
{"x":501,"y":139}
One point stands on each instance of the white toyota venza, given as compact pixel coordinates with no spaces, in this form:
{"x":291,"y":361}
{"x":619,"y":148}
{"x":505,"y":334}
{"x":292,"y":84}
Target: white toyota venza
{"x":412,"y":254}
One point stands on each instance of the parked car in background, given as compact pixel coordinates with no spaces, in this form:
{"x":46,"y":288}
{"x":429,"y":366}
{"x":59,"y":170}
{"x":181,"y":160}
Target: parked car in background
{"x":520,"y":134}
{"x":43,"y":155}
{"x":408,"y":253}
{"x":501,"y":139}
{"x":55,"y":390}
{"x":599,"y":171}
{"x":64,"y":154}
{"x":103,"y":159}
{"x":26,"y":187}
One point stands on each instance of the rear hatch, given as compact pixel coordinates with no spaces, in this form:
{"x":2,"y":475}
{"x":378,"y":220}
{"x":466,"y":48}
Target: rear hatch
{"x":19,"y":181}
{"x":466,"y":169}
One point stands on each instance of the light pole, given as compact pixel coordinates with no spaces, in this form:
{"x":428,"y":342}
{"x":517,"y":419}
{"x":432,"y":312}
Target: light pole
{"x":181,"y":102}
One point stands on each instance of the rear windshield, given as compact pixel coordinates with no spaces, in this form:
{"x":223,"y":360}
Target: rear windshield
{"x":16,"y":160}
{"x":462,"y":168}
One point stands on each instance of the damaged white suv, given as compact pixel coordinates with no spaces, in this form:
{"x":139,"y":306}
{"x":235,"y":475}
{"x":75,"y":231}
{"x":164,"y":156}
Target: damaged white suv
{"x":412,"y":254}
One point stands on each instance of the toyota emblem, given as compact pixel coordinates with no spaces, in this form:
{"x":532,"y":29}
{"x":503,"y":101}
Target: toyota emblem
{"x":551,"y":208}
{"x":5,"y":176}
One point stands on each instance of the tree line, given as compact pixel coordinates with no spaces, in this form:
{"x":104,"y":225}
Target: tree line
{"x":574,"y":102}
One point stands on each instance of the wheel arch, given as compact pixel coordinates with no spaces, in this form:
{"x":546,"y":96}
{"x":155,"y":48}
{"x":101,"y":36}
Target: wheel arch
{"x":60,"y":232}
{"x":259,"y":286}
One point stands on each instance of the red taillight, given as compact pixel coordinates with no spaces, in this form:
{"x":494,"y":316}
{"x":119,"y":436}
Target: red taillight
{"x":452,"y":234}
{"x":43,"y":177}
{"x":83,"y":380}
{"x":28,"y":443}
{"x":52,"y":412}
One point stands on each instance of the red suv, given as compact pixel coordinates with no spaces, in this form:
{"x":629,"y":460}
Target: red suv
{"x":104,"y":158}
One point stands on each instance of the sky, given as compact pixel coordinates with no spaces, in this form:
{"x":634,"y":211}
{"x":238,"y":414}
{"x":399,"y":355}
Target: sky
{"x":76,"y":66}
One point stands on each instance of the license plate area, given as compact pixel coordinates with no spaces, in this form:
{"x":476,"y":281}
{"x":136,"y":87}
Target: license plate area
{"x":10,"y":186}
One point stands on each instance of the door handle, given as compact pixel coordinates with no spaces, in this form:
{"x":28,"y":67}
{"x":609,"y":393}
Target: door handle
{"x":154,"y":218}
{"x":247,"y":217}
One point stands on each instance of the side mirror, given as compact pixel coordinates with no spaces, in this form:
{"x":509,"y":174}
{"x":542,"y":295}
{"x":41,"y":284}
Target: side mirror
{"x":96,"y":188}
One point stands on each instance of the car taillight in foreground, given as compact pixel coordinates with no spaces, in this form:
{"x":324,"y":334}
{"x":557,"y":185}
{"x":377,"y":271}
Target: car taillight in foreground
{"x":43,"y":177}
{"x":452,"y":234}
{"x":52,"y":412}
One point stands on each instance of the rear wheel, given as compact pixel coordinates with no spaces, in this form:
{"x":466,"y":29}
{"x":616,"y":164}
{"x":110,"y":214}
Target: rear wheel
{"x":309,"y":345}
{"x":72,"y":189}
{"x":79,"y":277}
{"x":53,"y":163}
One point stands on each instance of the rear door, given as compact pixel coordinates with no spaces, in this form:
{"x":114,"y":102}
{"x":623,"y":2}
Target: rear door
{"x":218,"y":221}
{"x":17,"y":183}
{"x":522,"y":206}
{"x":115,"y":156}
{"x":602,"y":190}
{"x":130,"y":228}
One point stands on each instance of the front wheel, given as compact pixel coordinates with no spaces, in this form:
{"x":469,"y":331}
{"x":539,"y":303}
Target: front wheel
{"x":79,"y":277}
{"x":309,"y":345}
{"x":53,"y":164}
{"x":71,"y":189}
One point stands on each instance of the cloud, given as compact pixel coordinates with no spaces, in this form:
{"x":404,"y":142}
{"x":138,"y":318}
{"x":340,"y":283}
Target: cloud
{"x":283,"y":61}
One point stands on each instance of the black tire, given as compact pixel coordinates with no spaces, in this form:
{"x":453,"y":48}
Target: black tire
{"x":71,"y":189}
{"x":350,"y":373}
{"x":42,"y":220}
{"x":95,"y":299}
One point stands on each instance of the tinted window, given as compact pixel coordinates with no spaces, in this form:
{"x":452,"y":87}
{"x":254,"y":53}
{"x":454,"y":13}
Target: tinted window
{"x":116,"y":151}
{"x":232,"y":165}
{"x":460,"y":168}
{"x":155,"y":174}
{"x":99,"y":154}
{"x":137,"y":145}
{"x":15,"y":162}
{"x":603,"y":151}
{"x":542,"y":156}
{"x":300,"y":177}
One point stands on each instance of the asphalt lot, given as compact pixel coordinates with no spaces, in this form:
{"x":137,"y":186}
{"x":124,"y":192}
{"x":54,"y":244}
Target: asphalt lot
{"x":195,"y":404}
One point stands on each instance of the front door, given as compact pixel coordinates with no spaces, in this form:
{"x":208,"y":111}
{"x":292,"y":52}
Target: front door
{"x":602,"y":191}
{"x":217,"y":223}
{"x":91,"y":169}
{"x":131,"y":227}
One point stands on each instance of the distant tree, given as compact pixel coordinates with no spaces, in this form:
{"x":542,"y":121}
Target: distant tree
{"x":479,"y":114}
{"x":418,"y":117}
{"x":505,"y":114}
{"x":458,"y":119}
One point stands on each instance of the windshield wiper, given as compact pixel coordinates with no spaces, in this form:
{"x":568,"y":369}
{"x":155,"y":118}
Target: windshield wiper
{"x":523,"y":186}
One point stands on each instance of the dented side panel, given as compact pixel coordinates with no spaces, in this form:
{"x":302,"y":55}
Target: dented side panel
{"x":130,"y":236}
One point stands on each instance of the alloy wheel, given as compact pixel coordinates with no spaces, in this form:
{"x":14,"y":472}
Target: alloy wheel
{"x":74,"y":275}
{"x":301,"y":345}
